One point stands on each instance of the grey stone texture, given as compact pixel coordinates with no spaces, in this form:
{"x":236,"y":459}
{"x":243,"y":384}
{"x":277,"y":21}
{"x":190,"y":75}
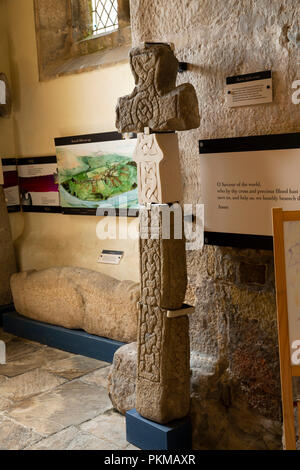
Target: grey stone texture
{"x":122,"y":378}
{"x":162,"y":258}
{"x":70,"y":414}
{"x":79,"y":298}
{"x":162,"y":392}
{"x":219,"y":419}
{"x":7,"y":254}
{"x":163,"y":378}
{"x":220,"y":39}
{"x":156,"y":102}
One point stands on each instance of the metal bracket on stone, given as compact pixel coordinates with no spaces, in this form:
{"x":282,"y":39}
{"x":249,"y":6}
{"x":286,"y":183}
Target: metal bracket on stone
{"x":185,"y":310}
{"x":183,"y":66}
{"x":2,"y":353}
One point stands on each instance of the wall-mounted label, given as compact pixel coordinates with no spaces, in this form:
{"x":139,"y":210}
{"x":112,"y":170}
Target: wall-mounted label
{"x":2,"y":92}
{"x":11,"y":184}
{"x":249,"y":89}
{"x":38,"y":181}
{"x":110,"y":257}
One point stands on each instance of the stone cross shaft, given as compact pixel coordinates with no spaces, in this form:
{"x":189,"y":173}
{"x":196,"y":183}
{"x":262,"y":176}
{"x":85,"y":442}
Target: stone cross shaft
{"x":156,"y":109}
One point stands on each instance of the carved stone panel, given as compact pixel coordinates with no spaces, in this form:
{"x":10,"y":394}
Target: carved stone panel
{"x":163,"y":381}
{"x":157,"y":158}
{"x":156,"y":102}
{"x":162,"y":260}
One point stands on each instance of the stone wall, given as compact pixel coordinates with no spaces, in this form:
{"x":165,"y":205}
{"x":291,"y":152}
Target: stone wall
{"x":7,"y":254}
{"x":238,"y":406}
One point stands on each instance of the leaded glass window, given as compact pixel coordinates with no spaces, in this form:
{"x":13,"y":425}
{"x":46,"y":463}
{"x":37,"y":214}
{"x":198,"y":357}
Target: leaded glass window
{"x":105,"y":16}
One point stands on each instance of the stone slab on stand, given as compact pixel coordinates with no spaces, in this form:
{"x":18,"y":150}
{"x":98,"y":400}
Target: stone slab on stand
{"x":148,"y":435}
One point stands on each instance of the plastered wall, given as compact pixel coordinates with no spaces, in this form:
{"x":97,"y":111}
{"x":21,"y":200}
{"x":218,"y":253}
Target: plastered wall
{"x":6,"y":125}
{"x":75,"y":104}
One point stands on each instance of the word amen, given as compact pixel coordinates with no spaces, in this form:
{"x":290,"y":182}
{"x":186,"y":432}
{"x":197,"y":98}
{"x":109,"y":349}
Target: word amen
{"x":155,"y":459}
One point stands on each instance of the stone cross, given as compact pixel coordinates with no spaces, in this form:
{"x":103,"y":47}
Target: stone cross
{"x":156,"y":102}
{"x":156,"y":109}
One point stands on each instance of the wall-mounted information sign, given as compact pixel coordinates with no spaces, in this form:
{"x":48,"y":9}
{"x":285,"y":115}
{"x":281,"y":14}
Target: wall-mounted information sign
{"x":38,"y":182}
{"x":110,"y":257}
{"x":11,"y":184}
{"x":242,"y":180}
{"x":249,"y":89}
{"x":97,"y":173}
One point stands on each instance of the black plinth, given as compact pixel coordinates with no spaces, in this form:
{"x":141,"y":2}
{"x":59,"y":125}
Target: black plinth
{"x":148,"y":435}
{"x":5,"y":309}
{"x":75,"y":341}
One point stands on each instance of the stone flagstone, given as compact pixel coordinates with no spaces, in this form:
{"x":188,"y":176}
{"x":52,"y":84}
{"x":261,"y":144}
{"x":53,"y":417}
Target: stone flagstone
{"x":72,"y":439}
{"x":5,"y":404}
{"x":32,"y":361}
{"x":110,"y":426}
{"x":74,"y":366}
{"x":14,"y":436}
{"x":98,"y":377}
{"x":16,"y":349}
{"x":31,"y":383}
{"x":69,"y":404}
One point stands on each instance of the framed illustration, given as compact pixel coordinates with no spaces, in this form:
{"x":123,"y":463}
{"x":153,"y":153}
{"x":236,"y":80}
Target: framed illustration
{"x":38,"y":182}
{"x":97,"y":175}
{"x":11,"y":184}
{"x":242,"y":179}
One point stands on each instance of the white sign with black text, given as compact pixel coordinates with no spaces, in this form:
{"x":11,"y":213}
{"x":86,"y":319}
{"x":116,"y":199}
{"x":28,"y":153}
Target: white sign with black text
{"x":249,"y":89}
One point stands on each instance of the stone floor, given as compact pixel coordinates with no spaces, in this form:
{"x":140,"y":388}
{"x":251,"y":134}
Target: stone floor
{"x":54,"y":400}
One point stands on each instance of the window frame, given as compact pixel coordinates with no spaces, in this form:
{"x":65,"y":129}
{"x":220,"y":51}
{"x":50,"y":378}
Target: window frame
{"x":65,"y":43}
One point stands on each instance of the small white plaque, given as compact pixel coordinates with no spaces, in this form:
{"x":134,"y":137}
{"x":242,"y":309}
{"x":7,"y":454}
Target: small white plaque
{"x":110,"y":257}
{"x":249,"y":89}
{"x":2,"y":353}
{"x":2,"y":92}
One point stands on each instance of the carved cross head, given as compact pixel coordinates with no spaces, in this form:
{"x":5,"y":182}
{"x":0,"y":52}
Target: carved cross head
{"x":156,"y":102}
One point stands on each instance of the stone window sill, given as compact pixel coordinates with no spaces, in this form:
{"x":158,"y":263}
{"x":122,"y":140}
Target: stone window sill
{"x":88,"y":62}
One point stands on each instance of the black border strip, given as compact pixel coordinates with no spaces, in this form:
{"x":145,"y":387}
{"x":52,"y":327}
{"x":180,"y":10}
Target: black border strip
{"x":249,"y":77}
{"x":112,"y":252}
{"x":236,"y":240}
{"x":89,"y":138}
{"x":13,"y":208}
{"x":250,"y":143}
{"x":9,"y":161}
{"x":46,"y":209}
{"x":88,"y":211}
{"x":37,"y":160}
